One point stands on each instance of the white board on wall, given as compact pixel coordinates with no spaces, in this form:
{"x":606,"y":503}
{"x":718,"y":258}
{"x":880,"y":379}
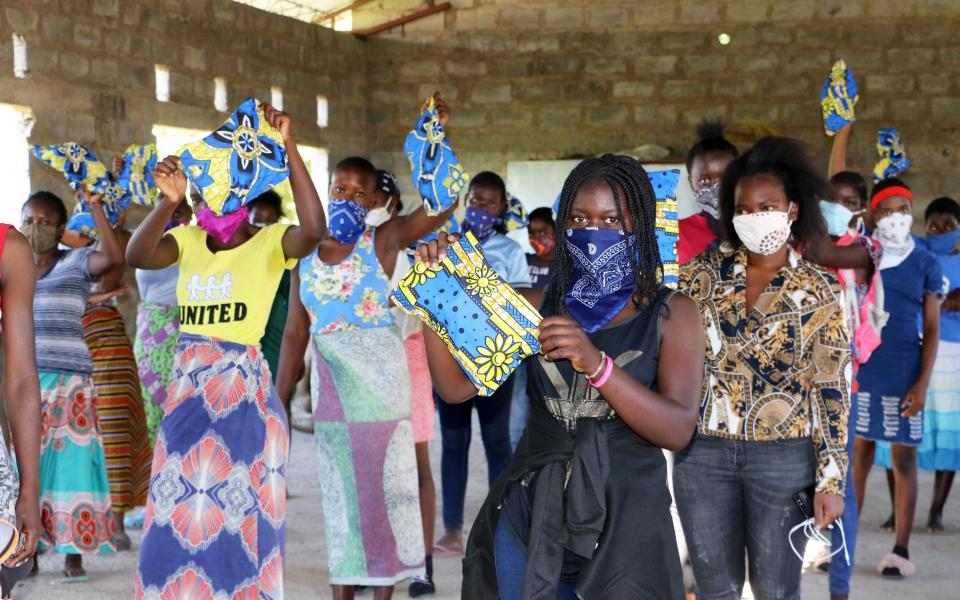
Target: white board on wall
{"x":538,"y":182}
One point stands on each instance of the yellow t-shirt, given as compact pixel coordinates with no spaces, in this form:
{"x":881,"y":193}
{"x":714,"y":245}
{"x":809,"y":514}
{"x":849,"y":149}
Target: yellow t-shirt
{"x":228,"y":294}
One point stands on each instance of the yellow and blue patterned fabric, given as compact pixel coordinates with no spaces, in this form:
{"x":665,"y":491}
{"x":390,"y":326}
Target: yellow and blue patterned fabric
{"x":136,"y":177}
{"x":451,"y":225}
{"x":487,"y":325}
{"x":668,"y":226}
{"x":436,"y":171}
{"x":893,"y":157}
{"x":242,"y":159}
{"x":82,"y":221}
{"x":516,"y":215}
{"x":839,"y":98}
{"x":82,"y":169}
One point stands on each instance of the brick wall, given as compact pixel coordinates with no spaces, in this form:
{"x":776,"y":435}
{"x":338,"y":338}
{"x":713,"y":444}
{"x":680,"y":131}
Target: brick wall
{"x":556,"y":79}
{"x":92,"y":71}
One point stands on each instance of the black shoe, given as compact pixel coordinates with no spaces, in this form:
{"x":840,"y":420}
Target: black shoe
{"x":421,"y":586}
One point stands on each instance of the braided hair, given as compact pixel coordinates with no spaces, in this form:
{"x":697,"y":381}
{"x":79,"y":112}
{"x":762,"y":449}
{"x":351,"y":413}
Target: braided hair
{"x":633,"y":192}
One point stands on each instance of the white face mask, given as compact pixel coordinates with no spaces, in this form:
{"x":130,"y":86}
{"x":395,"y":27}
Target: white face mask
{"x":378,"y":216}
{"x":763,"y":232}
{"x":814,"y":534}
{"x":894,"y":230}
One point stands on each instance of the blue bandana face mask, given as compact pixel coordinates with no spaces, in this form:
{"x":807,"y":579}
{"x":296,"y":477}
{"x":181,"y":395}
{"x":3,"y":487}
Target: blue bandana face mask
{"x":347,"y":220}
{"x":602,"y":281}
{"x":837,"y":217}
{"x":944,"y":243}
{"x":480,"y":222}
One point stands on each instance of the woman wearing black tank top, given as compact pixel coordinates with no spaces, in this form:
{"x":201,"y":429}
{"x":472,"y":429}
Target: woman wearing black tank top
{"x":583,"y":508}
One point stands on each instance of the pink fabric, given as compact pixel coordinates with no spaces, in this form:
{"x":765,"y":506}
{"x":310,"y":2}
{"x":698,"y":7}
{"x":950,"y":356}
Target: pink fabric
{"x":422,"y":389}
{"x":222,"y":228}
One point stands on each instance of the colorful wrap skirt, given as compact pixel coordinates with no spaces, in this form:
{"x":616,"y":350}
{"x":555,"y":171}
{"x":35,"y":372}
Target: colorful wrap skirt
{"x":74,"y":489}
{"x":366,"y":459}
{"x":158,"y":328}
{"x":119,"y":407}
{"x":214,"y":524}
{"x":421,"y":388}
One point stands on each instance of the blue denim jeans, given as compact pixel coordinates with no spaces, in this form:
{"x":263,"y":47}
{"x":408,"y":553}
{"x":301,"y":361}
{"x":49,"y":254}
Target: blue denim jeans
{"x":735,"y":499}
{"x":511,"y":563}
{"x":519,"y":406}
{"x":840,"y":571}
{"x":455,"y":433}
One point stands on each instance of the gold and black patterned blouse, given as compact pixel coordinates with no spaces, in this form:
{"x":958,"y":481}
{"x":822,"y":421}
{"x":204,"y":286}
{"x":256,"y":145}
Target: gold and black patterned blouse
{"x":781,"y":371}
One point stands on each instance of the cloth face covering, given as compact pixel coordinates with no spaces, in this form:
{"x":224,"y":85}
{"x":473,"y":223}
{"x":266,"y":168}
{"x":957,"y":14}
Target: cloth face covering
{"x":379,"y":216}
{"x":480,"y":222}
{"x":239,"y":161}
{"x":602,"y":280}
{"x":221,"y":228}
{"x":347,"y":220}
{"x":944,"y":243}
{"x":41,"y":236}
{"x":543,"y":245}
{"x":488,"y":326}
{"x":837,"y":217}
{"x":763,"y":232}
{"x":708,"y":199}
{"x":893,"y":233}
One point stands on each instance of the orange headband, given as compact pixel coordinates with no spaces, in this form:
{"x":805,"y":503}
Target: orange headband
{"x":896,"y":190}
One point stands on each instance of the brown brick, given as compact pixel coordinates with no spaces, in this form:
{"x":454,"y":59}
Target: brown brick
{"x":934,"y":83}
{"x":945,"y":108}
{"x":776,"y":35}
{"x":633,"y":89}
{"x":754,"y":11}
{"x":684,"y":88}
{"x":491,"y":94}
{"x":682,"y":40}
{"x":106,"y":8}
{"x":605,"y":66}
{"x":762,"y":61}
{"x":559,"y":117}
{"x":85,"y":35}
{"x":607,"y":17}
{"x":763,"y":114}
{"x":950,"y":55}
{"x":556,"y":65}
{"x":194,"y":58}
{"x":907,"y":109}
{"x":703,"y":63}
{"x":118,"y":42}
{"x":694,"y":116}
{"x":655,"y":114}
{"x":419,"y":69}
{"x":654,"y":14}
{"x":734,"y":86}
{"x":609,"y":115}
{"x":795,"y":10}
{"x":21,"y":20}
{"x":661,"y":64}
{"x":470,"y":117}
{"x":700,"y":12}
{"x":538,"y":91}
{"x":564,"y":17}
{"x":894,"y":84}
{"x":57,"y":28}
{"x":910,"y":59}
{"x":585,"y":91}
{"x":512,"y":117}
{"x":790,"y":86}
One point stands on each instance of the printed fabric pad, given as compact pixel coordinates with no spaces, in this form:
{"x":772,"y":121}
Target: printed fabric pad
{"x":435,"y":168}
{"x":487,"y":325}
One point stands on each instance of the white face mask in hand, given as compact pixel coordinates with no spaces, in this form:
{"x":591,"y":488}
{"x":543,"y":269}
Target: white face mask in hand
{"x":378,"y":216}
{"x":763,"y":232}
{"x":814,"y":534}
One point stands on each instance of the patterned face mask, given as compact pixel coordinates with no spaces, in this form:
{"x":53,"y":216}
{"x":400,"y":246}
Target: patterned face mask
{"x":221,"y":228}
{"x":602,"y":280}
{"x":543,"y":245}
{"x":763,"y":232}
{"x":347,"y":220}
{"x":480,"y":222}
{"x":708,"y":199}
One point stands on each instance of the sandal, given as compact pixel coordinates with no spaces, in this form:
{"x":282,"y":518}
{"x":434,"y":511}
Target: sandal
{"x":894,"y":566}
{"x":74,"y":574}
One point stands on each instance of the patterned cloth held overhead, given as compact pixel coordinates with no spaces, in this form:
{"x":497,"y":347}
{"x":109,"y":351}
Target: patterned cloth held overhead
{"x":214,"y":524}
{"x":436,"y":171}
{"x":667,"y":228}
{"x":781,"y":370}
{"x":488,"y":326}
{"x":239,"y":161}
{"x":136,"y":177}
{"x":893,"y":158}
{"x":119,"y":407}
{"x":158,"y":331}
{"x":516,"y":215}
{"x":838,"y":98}
{"x":82,"y":220}
{"x":74,"y":490}
{"x":82,"y":169}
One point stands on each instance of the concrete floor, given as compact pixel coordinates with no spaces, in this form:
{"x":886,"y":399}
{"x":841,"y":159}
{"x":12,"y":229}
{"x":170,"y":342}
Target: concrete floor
{"x":937,"y":557}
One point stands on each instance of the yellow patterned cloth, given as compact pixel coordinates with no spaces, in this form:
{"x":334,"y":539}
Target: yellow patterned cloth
{"x":136,"y":177}
{"x":436,"y":171}
{"x":893,"y":156}
{"x":667,"y":226}
{"x":242,"y":159}
{"x":839,"y":98}
{"x":82,"y":169}
{"x":488,"y":326}
{"x":781,"y":370}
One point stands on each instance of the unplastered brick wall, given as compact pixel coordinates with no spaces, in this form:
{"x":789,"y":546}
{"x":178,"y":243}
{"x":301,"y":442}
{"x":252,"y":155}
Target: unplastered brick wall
{"x":91,"y":77}
{"x":559,"y":79}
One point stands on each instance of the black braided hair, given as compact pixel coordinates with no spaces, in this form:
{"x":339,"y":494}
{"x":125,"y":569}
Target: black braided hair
{"x":629,"y":182}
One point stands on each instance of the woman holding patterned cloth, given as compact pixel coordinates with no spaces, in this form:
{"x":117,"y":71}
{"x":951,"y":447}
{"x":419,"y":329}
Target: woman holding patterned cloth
{"x":74,"y":488}
{"x":158,"y":329}
{"x":216,"y":510}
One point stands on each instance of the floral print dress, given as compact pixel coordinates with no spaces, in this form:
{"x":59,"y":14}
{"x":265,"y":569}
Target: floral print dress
{"x":362,"y":421}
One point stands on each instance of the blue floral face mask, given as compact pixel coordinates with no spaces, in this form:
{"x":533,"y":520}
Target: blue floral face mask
{"x":602,"y":281}
{"x":944,"y":243}
{"x":480,"y":222}
{"x":347,"y":220}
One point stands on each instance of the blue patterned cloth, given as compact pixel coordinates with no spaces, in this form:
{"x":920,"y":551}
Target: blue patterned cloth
{"x":838,"y":98}
{"x":436,"y":171}
{"x":242,"y":159}
{"x":347,"y":220}
{"x":488,"y":326}
{"x":82,"y":221}
{"x":81,"y":168}
{"x":893,"y":157}
{"x":136,"y":177}
{"x":516,"y":215}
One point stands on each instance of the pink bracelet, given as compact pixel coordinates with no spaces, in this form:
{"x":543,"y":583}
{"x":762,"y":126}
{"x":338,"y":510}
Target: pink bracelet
{"x":607,"y":372}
